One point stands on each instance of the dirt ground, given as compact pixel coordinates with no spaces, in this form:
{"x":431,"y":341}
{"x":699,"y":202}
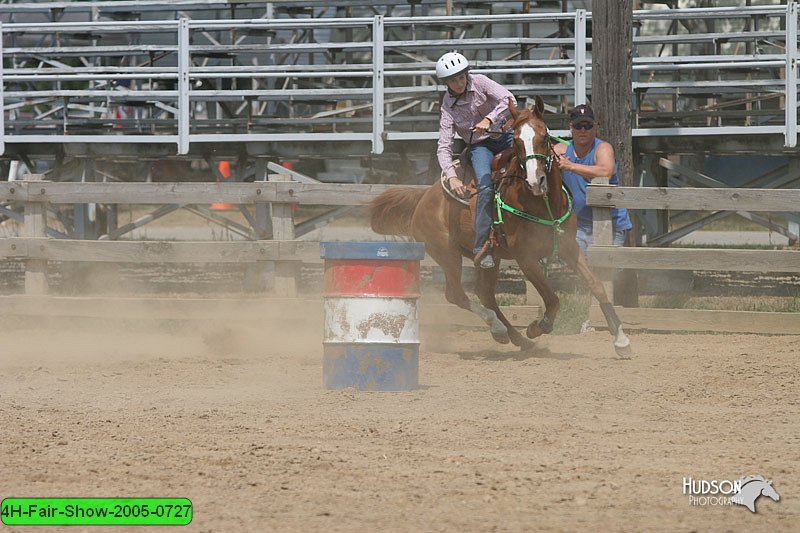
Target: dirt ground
{"x":565,"y":438}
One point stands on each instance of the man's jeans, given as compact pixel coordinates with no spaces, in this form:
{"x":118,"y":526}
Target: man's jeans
{"x":585,"y":238}
{"x":480,"y":155}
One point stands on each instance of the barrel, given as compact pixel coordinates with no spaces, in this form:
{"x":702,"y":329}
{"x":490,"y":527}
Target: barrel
{"x":371,"y":337}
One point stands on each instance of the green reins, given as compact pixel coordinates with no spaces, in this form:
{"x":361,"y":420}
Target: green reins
{"x":553,"y":222}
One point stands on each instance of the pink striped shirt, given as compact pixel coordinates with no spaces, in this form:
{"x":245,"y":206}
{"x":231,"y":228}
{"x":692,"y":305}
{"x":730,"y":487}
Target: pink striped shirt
{"x":483,"y":98}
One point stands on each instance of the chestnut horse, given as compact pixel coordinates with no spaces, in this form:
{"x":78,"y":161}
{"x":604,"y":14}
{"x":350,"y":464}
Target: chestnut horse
{"x":537,"y":222}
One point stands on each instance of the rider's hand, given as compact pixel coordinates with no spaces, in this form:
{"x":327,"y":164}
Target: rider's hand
{"x":457,"y":186}
{"x":482,"y":126}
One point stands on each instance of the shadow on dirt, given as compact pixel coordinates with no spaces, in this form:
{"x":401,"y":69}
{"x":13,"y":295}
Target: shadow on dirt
{"x":522,"y":355}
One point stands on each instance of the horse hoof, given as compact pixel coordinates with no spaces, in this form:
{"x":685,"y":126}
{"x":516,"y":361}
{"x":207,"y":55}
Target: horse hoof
{"x":533,"y":331}
{"x":624,"y":352}
{"x":502,"y":338}
{"x":525,"y":345}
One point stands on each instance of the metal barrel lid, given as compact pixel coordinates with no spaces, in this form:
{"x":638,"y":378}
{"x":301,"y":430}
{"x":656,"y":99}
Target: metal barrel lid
{"x":372,"y":250}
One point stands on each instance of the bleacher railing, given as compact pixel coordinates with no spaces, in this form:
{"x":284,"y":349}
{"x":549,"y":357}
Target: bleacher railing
{"x":372,"y":78}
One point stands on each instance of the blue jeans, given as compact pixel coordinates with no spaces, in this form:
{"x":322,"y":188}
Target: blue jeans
{"x":480,"y":155}
{"x":584,"y":238}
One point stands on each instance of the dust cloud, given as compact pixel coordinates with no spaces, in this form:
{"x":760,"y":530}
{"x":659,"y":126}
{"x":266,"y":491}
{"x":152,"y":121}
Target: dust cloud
{"x":220,"y":400}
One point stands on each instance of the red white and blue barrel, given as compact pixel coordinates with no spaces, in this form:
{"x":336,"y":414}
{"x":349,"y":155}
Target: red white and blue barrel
{"x":371,"y":338}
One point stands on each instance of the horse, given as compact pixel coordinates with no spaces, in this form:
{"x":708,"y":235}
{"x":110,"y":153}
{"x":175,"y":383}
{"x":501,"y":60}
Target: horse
{"x":538,"y":223}
{"x":751,"y":488}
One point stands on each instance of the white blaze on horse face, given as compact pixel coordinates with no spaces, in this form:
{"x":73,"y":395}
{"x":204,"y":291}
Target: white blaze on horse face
{"x":532,"y":172}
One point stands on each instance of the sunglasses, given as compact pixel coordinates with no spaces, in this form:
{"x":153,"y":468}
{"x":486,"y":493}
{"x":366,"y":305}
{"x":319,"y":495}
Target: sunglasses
{"x":583,"y":125}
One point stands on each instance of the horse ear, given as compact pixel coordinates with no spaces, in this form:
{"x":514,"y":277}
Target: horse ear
{"x":539,"y":107}
{"x":512,"y":108}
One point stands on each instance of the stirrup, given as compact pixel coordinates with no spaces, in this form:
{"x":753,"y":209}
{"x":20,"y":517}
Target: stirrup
{"x":487,"y":261}
{"x":486,"y":250}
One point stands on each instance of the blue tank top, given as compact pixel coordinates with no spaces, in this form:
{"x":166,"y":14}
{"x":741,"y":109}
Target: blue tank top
{"x":577,"y":185}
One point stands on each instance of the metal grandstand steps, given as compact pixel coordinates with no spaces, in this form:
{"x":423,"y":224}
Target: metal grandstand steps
{"x":205,"y":79}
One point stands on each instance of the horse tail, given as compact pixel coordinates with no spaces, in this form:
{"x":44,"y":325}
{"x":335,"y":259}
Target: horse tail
{"x":391,"y":212}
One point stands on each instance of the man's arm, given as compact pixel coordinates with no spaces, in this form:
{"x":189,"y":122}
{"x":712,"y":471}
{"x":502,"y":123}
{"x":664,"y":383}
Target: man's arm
{"x":603,"y":164}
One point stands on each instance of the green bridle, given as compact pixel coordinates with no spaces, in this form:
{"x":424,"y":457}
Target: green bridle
{"x":548,"y":158}
{"x":553,"y":222}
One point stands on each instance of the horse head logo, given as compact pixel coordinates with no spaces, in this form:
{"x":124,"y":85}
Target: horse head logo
{"x":751,"y":488}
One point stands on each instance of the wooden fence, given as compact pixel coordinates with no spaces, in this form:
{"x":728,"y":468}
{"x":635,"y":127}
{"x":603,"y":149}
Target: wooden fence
{"x":605,"y":197}
{"x":287,"y":253}
{"x":35,"y":248}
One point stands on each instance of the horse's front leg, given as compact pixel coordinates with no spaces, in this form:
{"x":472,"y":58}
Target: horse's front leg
{"x":450,"y":261}
{"x":578,"y":262}
{"x":485,"y":289}
{"x":530,"y":267}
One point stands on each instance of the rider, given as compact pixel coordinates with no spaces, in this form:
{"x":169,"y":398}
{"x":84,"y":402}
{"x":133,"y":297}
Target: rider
{"x":588,"y":157}
{"x":474,"y":107}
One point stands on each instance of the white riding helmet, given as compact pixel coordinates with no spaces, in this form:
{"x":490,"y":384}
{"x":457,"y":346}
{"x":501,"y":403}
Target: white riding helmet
{"x":451,"y":64}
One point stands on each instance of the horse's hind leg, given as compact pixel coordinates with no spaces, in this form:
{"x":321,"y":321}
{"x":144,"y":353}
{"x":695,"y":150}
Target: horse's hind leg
{"x":534,"y":273}
{"x":485,"y":289}
{"x":450,"y":261}
{"x":577,"y":261}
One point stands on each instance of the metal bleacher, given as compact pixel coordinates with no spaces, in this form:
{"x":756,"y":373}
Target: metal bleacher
{"x":204,"y":79}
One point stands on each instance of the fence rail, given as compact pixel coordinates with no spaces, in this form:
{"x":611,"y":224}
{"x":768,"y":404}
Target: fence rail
{"x":604,"y":197}
{"x":698,"y":199}
{"x":696,"y":259}
{"x":192,"y":193}
{"x":159,"y":251}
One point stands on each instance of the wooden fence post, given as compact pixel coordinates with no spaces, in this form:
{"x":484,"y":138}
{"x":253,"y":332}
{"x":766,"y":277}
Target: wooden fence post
{"x":603,"y":235}
{"x":286,"y":272}
{"x":35,"y":226}
{"x":258,"y":276}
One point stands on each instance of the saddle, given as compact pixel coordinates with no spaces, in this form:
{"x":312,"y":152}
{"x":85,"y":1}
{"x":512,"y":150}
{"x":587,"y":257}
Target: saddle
{"x":502,"y":164}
